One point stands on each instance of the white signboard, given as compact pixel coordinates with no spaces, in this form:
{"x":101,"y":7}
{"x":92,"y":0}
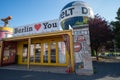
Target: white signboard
{"x":42,"y":27}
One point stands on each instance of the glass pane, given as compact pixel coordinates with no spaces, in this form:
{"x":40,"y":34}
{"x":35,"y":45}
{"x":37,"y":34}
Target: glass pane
{"x":45,"y":55}
{"x":32,"y":53}
{"x":53,"y":52}
{"x":9,"y":52}
{"x":62,"y":52}
{"x":25,"y":51}
{"x":37,"y":52}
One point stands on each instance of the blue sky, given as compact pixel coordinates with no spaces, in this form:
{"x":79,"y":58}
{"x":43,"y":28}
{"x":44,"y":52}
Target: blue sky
{"x":34,"y":11}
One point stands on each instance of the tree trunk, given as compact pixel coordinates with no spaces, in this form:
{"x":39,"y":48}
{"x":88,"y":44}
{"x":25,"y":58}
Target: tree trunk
{"x":97,"y":58}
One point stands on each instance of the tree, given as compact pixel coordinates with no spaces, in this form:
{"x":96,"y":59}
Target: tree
{"x":116,"y":29}
{"x":100,"y":33}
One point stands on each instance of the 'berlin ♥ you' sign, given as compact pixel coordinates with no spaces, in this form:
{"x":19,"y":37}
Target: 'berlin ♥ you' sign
{"x":42,"y":27}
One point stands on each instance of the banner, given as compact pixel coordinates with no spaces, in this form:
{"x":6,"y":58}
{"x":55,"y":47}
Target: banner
{"x":37,"y":28}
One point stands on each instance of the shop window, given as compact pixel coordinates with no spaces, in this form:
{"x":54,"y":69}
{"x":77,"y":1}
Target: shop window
{"x":6,"y":54}
{"x":9,"y":52}
{"x":45,"y":55}
{"x":37,"y":52}
{"x":53,"y":52}
{"x":25,"y":51}
{"x":32,"y":53}
{"x":62,"y":52}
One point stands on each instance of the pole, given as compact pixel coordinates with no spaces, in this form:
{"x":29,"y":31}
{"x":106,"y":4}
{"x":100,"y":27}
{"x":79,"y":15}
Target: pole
{"x":72,"y":52}
{"x":29,"y":46}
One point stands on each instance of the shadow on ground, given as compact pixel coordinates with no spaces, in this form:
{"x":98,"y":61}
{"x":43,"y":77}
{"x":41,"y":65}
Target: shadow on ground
{"x":103,"y":71}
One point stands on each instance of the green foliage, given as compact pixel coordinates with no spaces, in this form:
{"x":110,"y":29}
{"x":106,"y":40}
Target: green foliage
{"x":118,"y":15}
{"x":116,"y":29}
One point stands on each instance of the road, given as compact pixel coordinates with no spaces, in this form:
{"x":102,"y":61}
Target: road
{"x":103,"y":71}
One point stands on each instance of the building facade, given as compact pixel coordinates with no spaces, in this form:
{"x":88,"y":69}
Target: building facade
{"x":49,"y":44}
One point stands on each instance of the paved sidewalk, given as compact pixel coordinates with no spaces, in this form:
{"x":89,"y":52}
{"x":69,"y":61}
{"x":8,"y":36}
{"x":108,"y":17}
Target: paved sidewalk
{"x":52,"y":69}
{"x":103,"y":71}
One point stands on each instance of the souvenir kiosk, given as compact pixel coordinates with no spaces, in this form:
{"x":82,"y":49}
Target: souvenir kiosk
{"x":49,"y":44}
{"x":5,"y":32}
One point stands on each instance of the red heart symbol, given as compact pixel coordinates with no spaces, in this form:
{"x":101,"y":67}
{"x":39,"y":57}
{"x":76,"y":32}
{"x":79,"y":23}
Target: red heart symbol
{"x":37,"y":26}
